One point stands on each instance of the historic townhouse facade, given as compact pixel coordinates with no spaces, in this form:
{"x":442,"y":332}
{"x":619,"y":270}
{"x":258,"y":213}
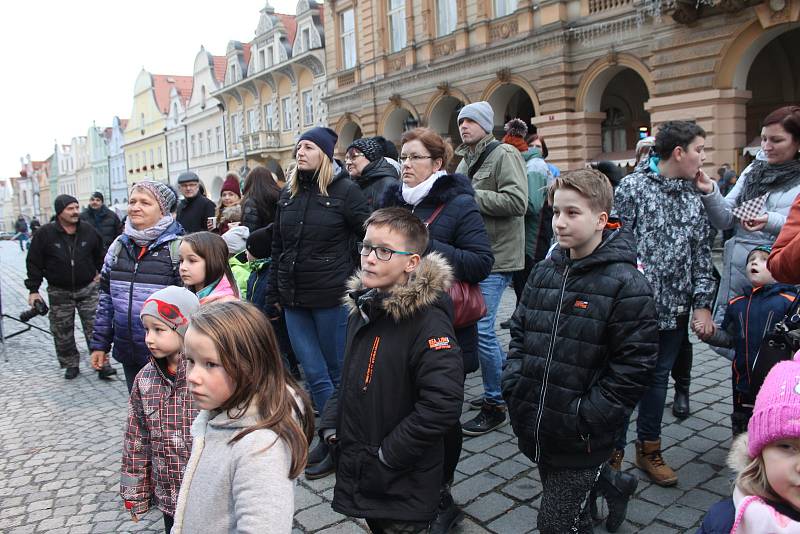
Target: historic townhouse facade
{"x":195,"y":133}
{"x":592,"y":75}
{"x":84,"y":179}
{"x":100,"y":160}
{"x":66,"y":171}
{"x":274,"y":87}
{"x":145,"y":145}
{"x":116,"y":157}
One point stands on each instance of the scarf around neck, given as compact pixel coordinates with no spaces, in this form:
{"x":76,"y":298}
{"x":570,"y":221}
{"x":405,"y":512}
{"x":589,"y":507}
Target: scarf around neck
{"x":144,"y":237}
{"x":415,"y":195}
{"x":766,"y":177}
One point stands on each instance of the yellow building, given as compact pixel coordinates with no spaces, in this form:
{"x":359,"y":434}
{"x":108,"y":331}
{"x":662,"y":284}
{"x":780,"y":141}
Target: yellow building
{"x":274,"y":87}
{"x":592,"y":75}
{"x":145,"y":145}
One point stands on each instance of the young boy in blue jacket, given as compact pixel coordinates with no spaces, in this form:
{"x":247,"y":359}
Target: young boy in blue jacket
{"x":748,"y":318}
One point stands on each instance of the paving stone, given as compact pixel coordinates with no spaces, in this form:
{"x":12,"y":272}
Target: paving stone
{"x":524,"y":489}
{"x":509,"y":469}
{"x":489,"y":506}
{"x":518,"y":520}
{"x":681,"y":516}
{"x":475,"y":486}
{"x":317,"y":517}
{"x":475,"y":463}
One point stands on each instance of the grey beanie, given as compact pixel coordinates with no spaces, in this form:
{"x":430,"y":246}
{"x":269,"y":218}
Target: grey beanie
{"x":236,"y":239}
{"x":480,"y":112}
{"x":172,"y":306}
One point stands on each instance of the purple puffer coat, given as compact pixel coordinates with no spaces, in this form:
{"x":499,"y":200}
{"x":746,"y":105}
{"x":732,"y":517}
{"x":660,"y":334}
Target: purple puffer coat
{"x":125,"y":283}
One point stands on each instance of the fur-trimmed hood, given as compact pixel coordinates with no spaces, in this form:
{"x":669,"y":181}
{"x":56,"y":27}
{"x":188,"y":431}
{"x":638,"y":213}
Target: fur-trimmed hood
{"x":432,"y":277}
{"x":446,"y":188}
{"x":738,"y":458}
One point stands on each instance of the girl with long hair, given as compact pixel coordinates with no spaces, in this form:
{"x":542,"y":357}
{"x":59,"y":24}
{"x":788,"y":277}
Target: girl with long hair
{"x":251,"y":436}
{"x":205,"y":269}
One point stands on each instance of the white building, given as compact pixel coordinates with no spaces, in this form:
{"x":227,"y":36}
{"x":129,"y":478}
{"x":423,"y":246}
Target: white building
{"x":66,"y":171}
{"x":119,"y":180}
{"x":195,"y":133}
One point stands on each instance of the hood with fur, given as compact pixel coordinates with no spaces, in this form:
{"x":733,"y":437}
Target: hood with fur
{"x":432,"y":277}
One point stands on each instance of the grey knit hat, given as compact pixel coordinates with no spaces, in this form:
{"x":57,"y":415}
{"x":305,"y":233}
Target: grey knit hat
{"x":480,"y":112}
{"x":187,"y":176}
{"x":163,"y":193}
{"x":173,"y":306}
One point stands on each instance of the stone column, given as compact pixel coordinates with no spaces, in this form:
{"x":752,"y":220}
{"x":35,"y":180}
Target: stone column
{"x":572,"y":138}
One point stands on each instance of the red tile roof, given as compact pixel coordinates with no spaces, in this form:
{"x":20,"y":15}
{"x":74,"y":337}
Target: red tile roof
{"x":123,"y":123}
{"x":163,"y":83}
{"x":290,"y":23}
{"x":246,"y":52}
{"x":220,"y":66}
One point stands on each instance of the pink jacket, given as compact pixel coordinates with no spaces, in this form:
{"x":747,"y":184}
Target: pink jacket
{"x":222,"y":293}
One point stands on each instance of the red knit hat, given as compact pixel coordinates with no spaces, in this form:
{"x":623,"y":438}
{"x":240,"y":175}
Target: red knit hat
{"x":231,"y":184}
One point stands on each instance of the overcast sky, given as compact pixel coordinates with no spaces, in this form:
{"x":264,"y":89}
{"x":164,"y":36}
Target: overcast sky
{"x":66,"y":64}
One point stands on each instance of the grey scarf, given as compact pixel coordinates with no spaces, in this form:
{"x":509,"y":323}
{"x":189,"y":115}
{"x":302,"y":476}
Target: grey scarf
{"x":767,"y":177}
{"x":144,"y":237}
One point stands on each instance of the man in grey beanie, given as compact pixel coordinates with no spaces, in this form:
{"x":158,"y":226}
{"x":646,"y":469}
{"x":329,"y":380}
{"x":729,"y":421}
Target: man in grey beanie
{"x":497,"y":172}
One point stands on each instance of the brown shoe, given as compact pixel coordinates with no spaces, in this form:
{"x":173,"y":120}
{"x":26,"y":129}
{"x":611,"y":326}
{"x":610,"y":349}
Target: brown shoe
{"x":616,"y":459}
{"x":649,"y":460}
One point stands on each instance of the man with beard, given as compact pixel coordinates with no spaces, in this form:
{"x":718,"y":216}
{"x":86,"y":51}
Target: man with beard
{"x":68,"y":253}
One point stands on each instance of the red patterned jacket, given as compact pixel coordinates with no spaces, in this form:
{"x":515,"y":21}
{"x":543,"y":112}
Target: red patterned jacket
{"x":158,"y":438}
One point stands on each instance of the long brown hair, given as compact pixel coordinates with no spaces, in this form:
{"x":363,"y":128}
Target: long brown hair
{"x":249,"y":353}
{"x":260,"y":186}
{"x":213,"y":249}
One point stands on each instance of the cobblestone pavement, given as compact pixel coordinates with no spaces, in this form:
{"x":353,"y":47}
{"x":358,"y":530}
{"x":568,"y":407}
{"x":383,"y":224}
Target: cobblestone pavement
{"x":60,"y":446}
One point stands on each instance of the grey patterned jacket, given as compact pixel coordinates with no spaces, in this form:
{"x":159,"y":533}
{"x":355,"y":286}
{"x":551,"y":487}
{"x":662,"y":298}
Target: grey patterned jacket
{"x":671,"y":228}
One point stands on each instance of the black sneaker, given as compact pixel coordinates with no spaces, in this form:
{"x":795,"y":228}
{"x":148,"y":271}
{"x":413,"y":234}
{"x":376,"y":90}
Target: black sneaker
{"x":71,"y":373}
{"x":106,"y":372}
{"x":476,"y":404}
{"x":448,"y":514}
{"x":321,"y":470}
{"x":491,"y":417}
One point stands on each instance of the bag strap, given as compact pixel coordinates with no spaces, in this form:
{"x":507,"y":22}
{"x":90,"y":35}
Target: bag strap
{"x":485,"y":154}
{"x":436,"y":212}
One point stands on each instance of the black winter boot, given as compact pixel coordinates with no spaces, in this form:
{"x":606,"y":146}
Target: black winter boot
{"x":617,"y":487}
{"x":448,"y":513}
{"x":490,"y":417}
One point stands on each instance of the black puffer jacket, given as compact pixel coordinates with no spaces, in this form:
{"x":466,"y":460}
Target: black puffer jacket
{"x":401,"y":390}
{"x":313,"y":242}
{"x":193,"y":213}
{"x":584,"y":340}
{"x":376,"y":177}
{"x":255,"y":216}
{"x":66,"y":261}
{"x":458,"y":233}
{"x":105,"y":222}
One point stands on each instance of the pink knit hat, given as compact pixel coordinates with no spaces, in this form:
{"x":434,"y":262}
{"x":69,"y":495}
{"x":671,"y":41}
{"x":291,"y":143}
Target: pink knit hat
{"x":776,"y":414}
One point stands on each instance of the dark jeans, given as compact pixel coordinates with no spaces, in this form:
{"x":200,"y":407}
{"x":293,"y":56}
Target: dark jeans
{"x":392,"y":526}
{"x":682,"y":369}
{"x":131,"y":370}
{"x":651,"y":406}
{"x":742,"y":409}
{"x":168,"y":521}
{"x":521,"y":277}
{"x":565,"y":499}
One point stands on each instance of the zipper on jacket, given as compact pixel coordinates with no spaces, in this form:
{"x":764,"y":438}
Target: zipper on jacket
{"x":130,"y":292}
{"x":371,"y":364}
{"x":72,"y":258}
{"x":548,"y":360}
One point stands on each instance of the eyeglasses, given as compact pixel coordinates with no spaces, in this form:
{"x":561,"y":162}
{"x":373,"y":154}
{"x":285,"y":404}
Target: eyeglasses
{"x":353,"y":157}
{"x":382,"y":253}
{"x":412,"y":158}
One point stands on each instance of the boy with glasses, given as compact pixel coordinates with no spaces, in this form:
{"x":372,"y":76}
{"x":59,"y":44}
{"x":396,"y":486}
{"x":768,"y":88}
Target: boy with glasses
{"x":401,"y":387}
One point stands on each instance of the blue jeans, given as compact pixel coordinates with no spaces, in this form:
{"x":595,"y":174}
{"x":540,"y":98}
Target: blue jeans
{"x":318,"y":336}
{"x":651,"y":406}
{"x":490,"y":353}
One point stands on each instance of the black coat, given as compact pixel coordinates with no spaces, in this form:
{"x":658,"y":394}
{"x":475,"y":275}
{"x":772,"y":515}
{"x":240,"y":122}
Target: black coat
{"x":255,"y":216}
{"x":313,"y":243}
{"x":585,"y":339}
{"x":193,"y":213}
{"x":458,"y":233}
{"x":105,"y":222}
{"x":401,"y":390}
{"x":67,"y":261}
{"x":376,"y":177}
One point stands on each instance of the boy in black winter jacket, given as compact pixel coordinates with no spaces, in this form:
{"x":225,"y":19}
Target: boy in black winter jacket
{"x":401,"y":386}
{"x":584,"y":340}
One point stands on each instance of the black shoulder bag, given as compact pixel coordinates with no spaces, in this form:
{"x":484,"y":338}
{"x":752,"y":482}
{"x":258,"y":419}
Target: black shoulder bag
{"x":779,"y":344}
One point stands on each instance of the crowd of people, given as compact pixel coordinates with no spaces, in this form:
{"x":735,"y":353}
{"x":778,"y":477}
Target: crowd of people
{"x":365,"y":290}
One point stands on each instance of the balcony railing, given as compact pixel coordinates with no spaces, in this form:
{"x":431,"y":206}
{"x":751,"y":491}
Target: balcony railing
{"x":597,"y":6}
{"x":261,"y":139}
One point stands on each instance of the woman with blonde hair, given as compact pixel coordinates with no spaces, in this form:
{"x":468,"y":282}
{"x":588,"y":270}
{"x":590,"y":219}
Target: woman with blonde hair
{"x":319,"y":218}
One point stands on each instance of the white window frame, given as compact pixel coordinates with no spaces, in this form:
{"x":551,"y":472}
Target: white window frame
{"x":347,"y":23}
{"x":194,"y":145}
{"x":252,"y":120}
{"x":208,"y":140}
{"x":200,"y":143}
{"x":286,"y":111}
{"x":398,"y":37}
{"x":446,"y":17}
{"x":269,"y":116}
{"x":504,"y":7}
{"x":219,"y":138}
{"x":308,"y":107}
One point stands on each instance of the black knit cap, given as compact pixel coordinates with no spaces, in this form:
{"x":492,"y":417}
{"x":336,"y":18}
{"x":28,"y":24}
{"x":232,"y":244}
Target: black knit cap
{"x":259,"y":243}
{"x":324,"y":138}
{"x":98,"y":195}
{"x":371,"y":149}
{"x":62,"y":201}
